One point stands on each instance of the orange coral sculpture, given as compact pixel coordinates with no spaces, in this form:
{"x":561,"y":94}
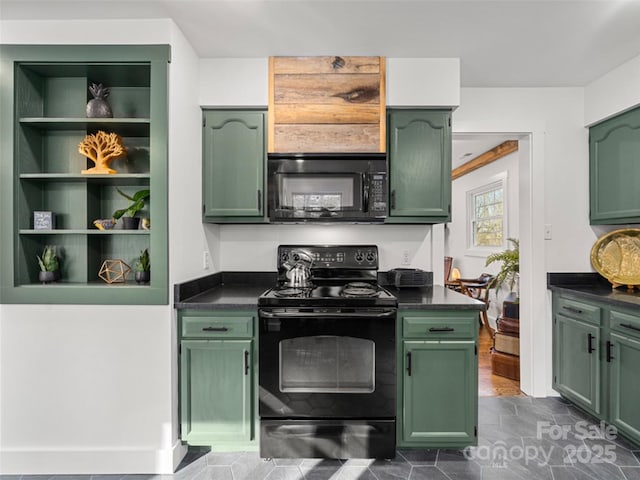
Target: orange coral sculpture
{"x":102,"y":148}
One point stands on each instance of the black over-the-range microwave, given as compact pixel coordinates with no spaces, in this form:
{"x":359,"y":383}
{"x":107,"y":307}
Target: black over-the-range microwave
{"x":327,"y":187}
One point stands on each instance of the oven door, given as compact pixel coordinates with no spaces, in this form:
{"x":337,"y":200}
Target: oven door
{"x":327,"y":363}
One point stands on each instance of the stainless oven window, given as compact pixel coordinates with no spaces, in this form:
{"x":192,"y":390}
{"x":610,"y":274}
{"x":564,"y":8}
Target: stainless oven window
{"x":327,"y":364}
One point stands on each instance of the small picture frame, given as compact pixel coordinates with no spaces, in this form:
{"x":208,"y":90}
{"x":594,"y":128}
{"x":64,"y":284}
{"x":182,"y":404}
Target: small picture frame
{"x":44,"y":220}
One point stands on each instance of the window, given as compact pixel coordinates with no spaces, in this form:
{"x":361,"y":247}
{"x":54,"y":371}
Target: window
{"x":487,"y":216}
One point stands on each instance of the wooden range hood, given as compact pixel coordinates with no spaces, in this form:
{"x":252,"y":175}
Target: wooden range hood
{"x":326,"y":104}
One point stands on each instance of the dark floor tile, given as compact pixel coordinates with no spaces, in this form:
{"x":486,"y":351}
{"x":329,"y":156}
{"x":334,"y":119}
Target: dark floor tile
{"x":521,"y":426}
{"x":288,"y":462}
{"x":10,"y":477}
{"x":532,"y":413}
{"x":215,"y":472}
{"x":547,"y":452}
{"x":569,"y":473}
{"x":496,"y":405}
{"x":606,"y":451}
{"x":251,"y":467}
{"x":358,"y":462}
{"x":419,"y":457}
{"x":391,"y":470}
{"x":631,"y":473}
{"x":320,"y":472}
{"x":320,"y":463}
{"x":109,"y":477}
{"x":636,"y":453}
{"x":551,"y":404}
{"x":457,"y":466}
{"x":529,"y":470}
{"x":355,"y":473}
{"x":598,"y":470}
{"x":223,"y":458}
{"x":426,"y":472}
{"x":499,"y":473}
{"x":285,"y":473}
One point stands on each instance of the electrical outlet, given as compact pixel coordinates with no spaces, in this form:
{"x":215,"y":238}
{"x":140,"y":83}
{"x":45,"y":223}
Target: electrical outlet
{"x":205,"y":260}
{"x":405,"y":258}
{"x":547,"y":231}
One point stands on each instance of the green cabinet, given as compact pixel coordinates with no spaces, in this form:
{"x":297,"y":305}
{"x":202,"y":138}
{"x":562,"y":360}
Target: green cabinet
{"x":217,"y":378}
{"x":419,"y":166}
{"x":577,"y":355}
{"x":614,"y":175}
{"x":44,"y":98}
{"x":437,"y":379}
{"x":596,"y":360}
{"x":234,"y":154}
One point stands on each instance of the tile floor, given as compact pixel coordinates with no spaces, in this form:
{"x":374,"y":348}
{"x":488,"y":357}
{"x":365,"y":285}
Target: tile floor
{"x":519,"y":438}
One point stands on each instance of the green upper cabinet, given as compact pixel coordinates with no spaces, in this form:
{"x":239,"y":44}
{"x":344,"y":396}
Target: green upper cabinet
{"x":43,"y":120}
{"x":614,"y":153}
{"x":234,"y":153}
{"x":419,"y":166}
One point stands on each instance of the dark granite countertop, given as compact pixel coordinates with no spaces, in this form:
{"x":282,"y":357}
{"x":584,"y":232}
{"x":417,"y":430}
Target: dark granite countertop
{"x":223,"y":290}
{"x":434,"y":297}
{"x":240,"y":290}
{"x":592,"y":286}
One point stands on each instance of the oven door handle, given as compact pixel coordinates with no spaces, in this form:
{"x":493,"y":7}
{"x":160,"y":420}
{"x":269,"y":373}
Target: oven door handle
{"x":376,"y":314}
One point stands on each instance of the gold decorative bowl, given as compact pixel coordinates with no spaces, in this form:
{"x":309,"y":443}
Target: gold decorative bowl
{"x":616,"y":256}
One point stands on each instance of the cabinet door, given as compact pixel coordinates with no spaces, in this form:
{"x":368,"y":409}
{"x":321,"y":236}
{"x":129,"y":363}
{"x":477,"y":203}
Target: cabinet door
{"x":216,"y":391}
{"x":233,"y":163}
{"x":614,"y":148}
{"x":440,"y":393}
{"x":624,"y":370}
{"x":576,"y":362}
{"x":420,"y":164}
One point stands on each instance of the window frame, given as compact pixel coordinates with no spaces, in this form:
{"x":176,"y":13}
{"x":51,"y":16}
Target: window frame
{"x":494,"y":183}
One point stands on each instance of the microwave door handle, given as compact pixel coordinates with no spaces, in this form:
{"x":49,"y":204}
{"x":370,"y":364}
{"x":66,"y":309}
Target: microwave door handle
{"x":365,"y":193}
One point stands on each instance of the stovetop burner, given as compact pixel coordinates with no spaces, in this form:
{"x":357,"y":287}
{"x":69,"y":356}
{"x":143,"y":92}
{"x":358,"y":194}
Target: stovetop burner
{"x":286,"y":292}
{"x":359,"y":289}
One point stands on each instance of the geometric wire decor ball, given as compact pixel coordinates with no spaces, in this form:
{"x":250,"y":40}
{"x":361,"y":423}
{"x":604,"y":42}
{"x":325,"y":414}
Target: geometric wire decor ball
{"x":114,"y":271}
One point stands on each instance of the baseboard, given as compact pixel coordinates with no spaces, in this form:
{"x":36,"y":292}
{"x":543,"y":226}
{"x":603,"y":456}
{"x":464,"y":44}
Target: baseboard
{"x":91,"y":462}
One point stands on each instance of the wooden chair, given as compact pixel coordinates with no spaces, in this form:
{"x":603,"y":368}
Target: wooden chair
{"x":479,"y":288}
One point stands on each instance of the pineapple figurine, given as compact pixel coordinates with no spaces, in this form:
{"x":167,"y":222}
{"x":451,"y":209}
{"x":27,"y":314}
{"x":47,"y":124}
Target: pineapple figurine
{"x":98,"y":107}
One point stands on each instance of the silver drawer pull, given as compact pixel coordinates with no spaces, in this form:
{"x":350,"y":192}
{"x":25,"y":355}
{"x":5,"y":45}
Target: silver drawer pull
{"x":630,"y":327}
{"x":215,"y":329}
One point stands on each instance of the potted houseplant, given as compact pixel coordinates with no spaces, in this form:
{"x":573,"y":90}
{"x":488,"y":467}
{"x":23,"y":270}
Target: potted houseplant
{"x":143,"y":267}
{"x":510,"y":270}
{"x":49,"y":265}
{"x":129,"y":219}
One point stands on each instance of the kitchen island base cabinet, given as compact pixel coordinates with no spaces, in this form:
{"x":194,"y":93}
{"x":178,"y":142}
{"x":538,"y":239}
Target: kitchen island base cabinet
{"x":438,"y":383}
{"x":596,"y":360}
{"x":217,"y":380}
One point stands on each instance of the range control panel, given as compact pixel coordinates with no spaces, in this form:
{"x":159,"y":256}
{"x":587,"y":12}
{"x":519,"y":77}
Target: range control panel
{"x":331,"y":256}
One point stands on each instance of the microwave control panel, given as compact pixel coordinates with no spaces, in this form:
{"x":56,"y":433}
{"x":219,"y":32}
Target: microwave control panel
{"x":378,"y":194}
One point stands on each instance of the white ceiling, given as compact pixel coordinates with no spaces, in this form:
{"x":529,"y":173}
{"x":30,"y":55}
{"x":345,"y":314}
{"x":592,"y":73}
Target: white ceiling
{"x":514,"y":43}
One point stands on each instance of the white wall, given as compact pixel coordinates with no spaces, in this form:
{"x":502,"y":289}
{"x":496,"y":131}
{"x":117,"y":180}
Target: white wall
{"x":613,"y":93}
{"x":471,"y":264}
{"x":553,"y":189}
{"x":92,"y":389}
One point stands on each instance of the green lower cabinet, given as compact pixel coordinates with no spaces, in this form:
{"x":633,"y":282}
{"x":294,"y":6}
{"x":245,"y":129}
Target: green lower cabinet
{"x":624,"y":387}
{"x":440,"y":394}
{"x":596,"y":360}
{"x":577,"y":371}
{"x":216,"y":391}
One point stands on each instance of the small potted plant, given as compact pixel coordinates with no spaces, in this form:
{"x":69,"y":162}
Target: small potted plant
{"x":510,"y":270}
{"x":143,"y":267}
{"x":49,"y":265}
{"x":129,"y":219}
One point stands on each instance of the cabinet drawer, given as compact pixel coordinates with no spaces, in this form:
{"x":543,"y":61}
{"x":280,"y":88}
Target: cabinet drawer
{"x":625,"y":323}
{"x":578,"y":310}
{"x":439,"y":326}
{"x":217,"y":326}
